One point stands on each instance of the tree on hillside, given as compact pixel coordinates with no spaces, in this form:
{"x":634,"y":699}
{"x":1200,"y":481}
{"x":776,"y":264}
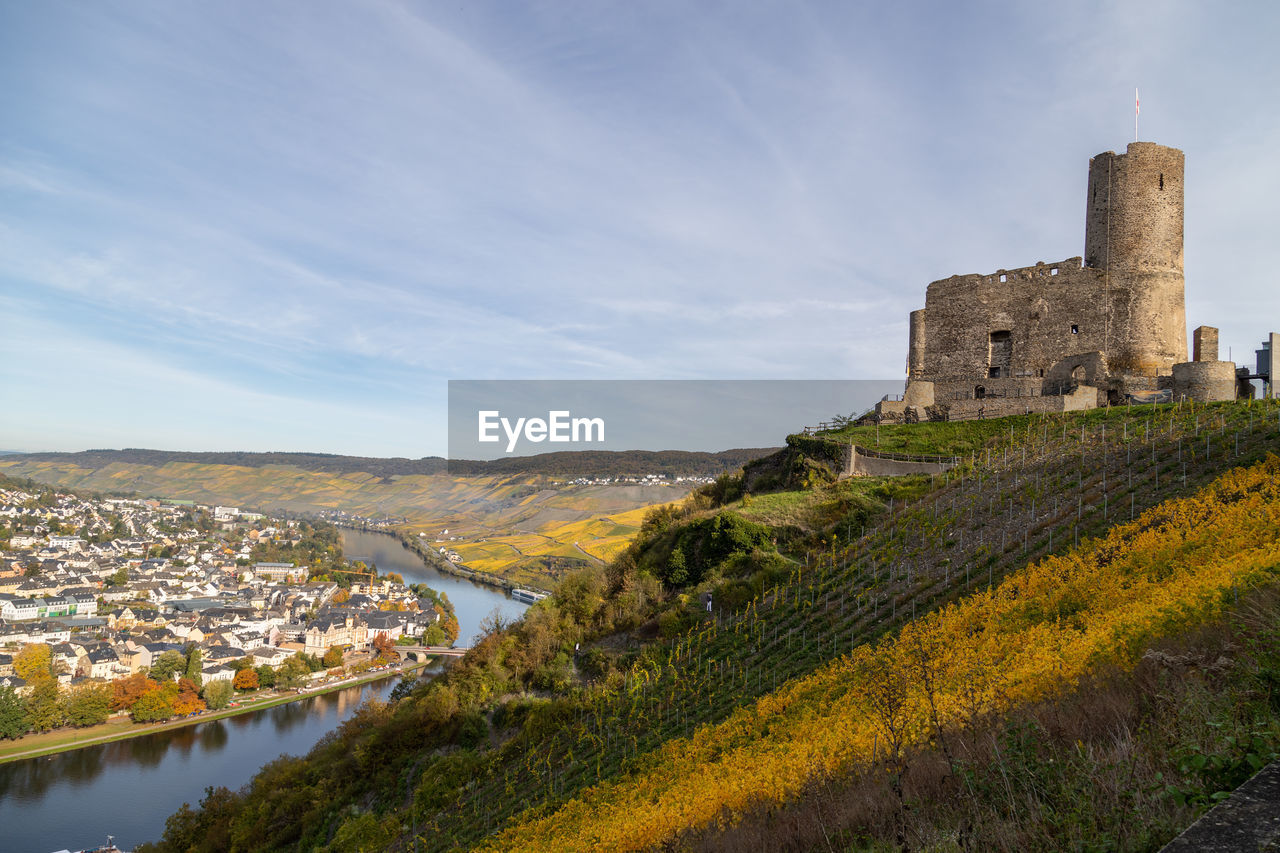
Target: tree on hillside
{"x":188,"y":700}
{"x":312,"y":662}
{"x":167,"y":665}
{"x":13,"y":714}
{"x":333,"y":657}
{"x":34,"y":662}
{"x":195,"y":664}
{"x":88,"y":705}
{"x":449,"y":624}
{"x":44,"y":708}
{"x":126,"y":691}
{"x":291,"y":673}
{"x":245,"y":680}
{"x":153,"y":706}
{"x":217,"y":694}
{"x":266,"y":675}
{"x":383,"y":646}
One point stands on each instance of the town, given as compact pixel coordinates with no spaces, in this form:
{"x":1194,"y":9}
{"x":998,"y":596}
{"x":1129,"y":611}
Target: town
{"x":106,"y":601}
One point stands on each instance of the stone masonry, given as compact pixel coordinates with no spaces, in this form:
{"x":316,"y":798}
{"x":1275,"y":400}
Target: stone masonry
{"x":1076,"y":333}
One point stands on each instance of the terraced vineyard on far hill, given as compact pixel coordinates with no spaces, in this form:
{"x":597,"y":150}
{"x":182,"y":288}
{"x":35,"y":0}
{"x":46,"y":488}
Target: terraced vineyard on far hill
{"x":507,"y":526}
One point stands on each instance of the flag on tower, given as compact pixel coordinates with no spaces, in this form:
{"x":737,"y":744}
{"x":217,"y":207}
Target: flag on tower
{"x":1135,"y":115}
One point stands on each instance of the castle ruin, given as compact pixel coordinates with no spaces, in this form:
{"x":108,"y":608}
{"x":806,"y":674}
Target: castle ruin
{"x":1080,"y":333}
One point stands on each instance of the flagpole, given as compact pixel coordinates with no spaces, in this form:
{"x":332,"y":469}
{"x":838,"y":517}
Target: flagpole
{"x":1135,"y":115}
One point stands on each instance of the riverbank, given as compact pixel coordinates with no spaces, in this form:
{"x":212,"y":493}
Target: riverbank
{"x":122,"y":728}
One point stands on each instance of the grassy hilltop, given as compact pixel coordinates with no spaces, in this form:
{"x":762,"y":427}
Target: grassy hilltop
{"x":1069,"y":642}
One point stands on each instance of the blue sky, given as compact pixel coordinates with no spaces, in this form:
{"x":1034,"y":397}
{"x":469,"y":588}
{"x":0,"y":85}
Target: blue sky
{"x":284,"y":226}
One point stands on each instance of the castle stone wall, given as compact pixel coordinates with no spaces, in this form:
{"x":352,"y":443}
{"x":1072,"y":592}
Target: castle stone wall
{"x":1083,"y":398}
{"x":1048,"y":310}
{"x":1206,"y":381}
{"x":1114,"y":319}
{"x":874,"y":466}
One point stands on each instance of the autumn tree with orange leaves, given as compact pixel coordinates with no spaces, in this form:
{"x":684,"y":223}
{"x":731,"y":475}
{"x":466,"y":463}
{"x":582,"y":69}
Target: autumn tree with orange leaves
{"x":246,"y":679}
{"x":382,"y":645}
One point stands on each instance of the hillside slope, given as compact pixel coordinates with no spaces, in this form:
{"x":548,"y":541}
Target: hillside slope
{"x":671,"y":735}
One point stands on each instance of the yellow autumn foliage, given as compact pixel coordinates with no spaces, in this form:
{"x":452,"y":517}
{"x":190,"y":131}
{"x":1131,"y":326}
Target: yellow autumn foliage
{"x":1033,"y":636}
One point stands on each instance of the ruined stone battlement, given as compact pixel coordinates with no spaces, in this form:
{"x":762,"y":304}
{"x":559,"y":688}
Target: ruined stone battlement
{"x":1112,"y":319}
{"x":1039,"y":270}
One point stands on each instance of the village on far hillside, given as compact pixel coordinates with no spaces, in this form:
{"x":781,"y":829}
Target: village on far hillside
{"x":116,"y":589}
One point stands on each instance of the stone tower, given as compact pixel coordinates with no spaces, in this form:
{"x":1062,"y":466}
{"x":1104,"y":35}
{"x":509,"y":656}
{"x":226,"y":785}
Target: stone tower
{"x":1133,"y":234}
{"x":916,"y":349}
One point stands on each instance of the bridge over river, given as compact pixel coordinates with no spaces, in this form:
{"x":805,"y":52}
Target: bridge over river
{"x":422,"y":653}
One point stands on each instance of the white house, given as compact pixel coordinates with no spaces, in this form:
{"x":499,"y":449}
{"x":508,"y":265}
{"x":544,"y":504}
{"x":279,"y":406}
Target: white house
{"x":217,"y":672}
{"x":14,"y":609}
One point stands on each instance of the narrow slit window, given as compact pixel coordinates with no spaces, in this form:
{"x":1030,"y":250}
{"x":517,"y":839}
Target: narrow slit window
{"x":1003,"y":278}
{"x":1162,"y":180}
{"x":1075,"y":330}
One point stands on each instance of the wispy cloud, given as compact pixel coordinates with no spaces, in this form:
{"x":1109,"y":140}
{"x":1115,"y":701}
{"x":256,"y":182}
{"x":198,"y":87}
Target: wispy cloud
{"x":351,"y":204}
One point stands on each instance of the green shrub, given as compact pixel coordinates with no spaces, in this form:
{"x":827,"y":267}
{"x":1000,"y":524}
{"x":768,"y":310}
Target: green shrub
{"x":473,"y":729}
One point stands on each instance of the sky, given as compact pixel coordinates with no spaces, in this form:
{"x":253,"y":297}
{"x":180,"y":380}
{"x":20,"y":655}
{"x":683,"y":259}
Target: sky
{"x":286,"y":225}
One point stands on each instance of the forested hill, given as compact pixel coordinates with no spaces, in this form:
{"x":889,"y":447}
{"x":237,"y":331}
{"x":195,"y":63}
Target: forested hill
{"x":592,"y":463}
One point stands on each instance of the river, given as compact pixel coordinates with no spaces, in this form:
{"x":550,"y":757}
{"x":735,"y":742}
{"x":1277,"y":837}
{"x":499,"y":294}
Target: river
{"x":128,"y":788}
{"x":472,"y":602}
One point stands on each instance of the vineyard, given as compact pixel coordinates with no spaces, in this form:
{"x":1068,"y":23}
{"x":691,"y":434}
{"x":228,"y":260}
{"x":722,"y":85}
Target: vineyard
{"x":1046,"y":485}
{"x":1061,"y":544}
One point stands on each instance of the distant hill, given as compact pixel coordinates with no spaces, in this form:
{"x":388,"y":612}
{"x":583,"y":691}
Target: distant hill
{"x":506,"y":516}
{"x":569,"y":464}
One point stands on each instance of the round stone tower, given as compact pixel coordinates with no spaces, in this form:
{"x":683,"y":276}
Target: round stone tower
{"x":1133,"y":232}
